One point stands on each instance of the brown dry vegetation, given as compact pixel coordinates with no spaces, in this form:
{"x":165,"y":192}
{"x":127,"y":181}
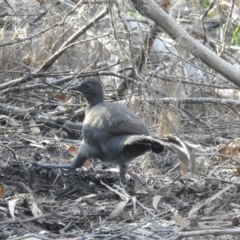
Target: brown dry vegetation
{"x":46,"y":46}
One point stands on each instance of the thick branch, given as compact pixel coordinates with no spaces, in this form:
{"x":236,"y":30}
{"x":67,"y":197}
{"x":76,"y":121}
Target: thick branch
{"x":151,"y":10}
{"x":214,"y":101}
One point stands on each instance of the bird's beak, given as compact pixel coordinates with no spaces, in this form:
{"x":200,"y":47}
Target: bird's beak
{"x":77,"y":88}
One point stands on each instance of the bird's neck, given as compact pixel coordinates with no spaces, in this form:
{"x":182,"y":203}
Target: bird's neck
{"x":94,"y":100}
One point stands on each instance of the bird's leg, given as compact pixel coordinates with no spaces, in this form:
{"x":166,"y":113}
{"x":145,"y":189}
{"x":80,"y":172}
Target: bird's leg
{"x":78,"y":161}
{"x":123,"y":171}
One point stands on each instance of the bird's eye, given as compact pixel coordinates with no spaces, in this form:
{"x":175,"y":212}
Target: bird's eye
{"x":87,"y":84}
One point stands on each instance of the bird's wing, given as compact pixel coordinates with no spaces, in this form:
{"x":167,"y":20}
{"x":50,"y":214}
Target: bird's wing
{"x":129,"y":127}
{"x":114,"y":119}
{"x":123,"y":121}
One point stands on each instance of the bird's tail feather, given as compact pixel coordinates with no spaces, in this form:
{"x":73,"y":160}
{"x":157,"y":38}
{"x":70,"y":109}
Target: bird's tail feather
{"x":172,"y":143}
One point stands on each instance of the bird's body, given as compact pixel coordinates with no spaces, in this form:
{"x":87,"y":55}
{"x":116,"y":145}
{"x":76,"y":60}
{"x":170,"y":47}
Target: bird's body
{"x":114,"y":134}
{"x":107,"y":119}
{"x":107,"y":128}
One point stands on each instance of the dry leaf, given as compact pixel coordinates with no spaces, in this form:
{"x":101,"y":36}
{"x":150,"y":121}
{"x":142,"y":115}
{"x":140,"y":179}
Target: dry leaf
{"x":56,"y":138}
{"x":2,"y":190}
{"x":73,"y":150}
{"x":181,"y":221}
{"x":34,"y":130}
{"x":230,"y":149}
{"x":63,"y":97}
{"x":11,"y":207}
{"x":156,"y":200}
{"x":42,"y":1}
{"x":208,"y":211}
{"x":235,"y":222}
{"x":31,"y":178}
{"x":35,"y":210}
{"x":37,"y":145}
{"x":135,"y":211}
{"x":183,"y":168}
{"x":118,"y":210}
{"x":85,"y":197}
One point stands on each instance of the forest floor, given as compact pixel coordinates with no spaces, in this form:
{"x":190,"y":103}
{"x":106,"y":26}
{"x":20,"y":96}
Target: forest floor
{"x":92,"y":204}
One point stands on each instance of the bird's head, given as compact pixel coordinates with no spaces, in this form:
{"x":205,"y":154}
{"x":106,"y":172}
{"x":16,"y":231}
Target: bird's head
{"x":91,"y":89}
